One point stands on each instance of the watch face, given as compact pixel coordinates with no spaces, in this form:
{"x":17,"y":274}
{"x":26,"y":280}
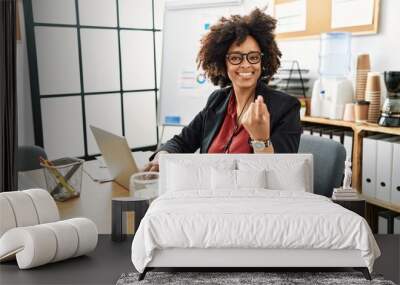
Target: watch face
{"x":258,"y":145}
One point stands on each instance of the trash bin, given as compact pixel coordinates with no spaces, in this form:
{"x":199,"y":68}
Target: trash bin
{"x":63,"y":177}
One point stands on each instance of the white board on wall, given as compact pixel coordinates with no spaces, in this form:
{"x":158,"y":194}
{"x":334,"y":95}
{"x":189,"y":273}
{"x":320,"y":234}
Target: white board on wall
{"x":184,"y":89}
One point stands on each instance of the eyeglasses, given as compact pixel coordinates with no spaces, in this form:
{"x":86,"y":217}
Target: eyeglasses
{"x":252,"y":57}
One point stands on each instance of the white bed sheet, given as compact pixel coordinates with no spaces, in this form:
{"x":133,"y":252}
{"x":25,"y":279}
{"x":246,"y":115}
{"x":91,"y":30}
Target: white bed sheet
{"x":252,"y":218}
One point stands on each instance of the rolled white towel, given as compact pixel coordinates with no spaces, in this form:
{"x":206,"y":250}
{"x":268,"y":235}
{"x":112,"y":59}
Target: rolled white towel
{"x":23,"y":208}
{"x":87,"y":235}
{"x":66,"y":237}
{"x":33,"y":246}
{"x":26,"y":208}
{"x":40,"y":244}
{"x":46,"y":208}
{"x":7,"y":218}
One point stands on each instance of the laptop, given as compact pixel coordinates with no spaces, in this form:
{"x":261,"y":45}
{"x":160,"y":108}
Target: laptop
{"x":117,"y":155}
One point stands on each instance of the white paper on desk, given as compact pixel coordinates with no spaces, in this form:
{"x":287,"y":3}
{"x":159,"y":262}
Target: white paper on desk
{"x":97,"y":173}
{"x":349,"y":13}
{"x":101,"y":162}
{"x":291,"y":16}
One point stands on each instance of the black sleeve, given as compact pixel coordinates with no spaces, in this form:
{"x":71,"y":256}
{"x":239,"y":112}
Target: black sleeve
{"x":286,"y":135}
{"x":189,"y":140}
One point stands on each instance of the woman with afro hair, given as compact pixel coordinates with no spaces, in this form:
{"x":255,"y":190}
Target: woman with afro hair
{"x":240,"y":55}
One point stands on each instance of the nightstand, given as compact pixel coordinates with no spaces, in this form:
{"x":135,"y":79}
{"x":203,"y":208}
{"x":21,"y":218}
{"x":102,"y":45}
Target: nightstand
{"x":355,"y":205}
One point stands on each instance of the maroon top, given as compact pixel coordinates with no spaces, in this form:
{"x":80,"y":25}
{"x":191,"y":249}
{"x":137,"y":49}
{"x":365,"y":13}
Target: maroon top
{"x":231,"y":138}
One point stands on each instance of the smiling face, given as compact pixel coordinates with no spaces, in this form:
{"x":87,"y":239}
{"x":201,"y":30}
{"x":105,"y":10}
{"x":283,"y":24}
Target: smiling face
{"x":245,"y":74}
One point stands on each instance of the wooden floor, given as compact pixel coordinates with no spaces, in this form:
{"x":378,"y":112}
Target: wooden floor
{"x":111,"y":259}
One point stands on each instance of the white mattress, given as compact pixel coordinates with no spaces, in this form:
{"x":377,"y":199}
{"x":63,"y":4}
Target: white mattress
{"x":253,"y":218}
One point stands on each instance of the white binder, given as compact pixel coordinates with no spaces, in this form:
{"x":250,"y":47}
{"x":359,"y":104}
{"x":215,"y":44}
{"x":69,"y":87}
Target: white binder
{"x":383,"y":225}
{"x":384,"y":165}
{"x":369,"y":164}
{"x":316,"y":132}
{"x":348,"y":145}
{"x":396,"y":226}
{"x":338,"y":135}
{"x":337,"y":138}
{"x":395,"y":193}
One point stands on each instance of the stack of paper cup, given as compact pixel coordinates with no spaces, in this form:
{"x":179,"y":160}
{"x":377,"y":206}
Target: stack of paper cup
{"x":363,"y":67}
{"x":373,"y":95}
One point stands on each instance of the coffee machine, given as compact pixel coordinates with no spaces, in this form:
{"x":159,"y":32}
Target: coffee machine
{"x":390,"y":114}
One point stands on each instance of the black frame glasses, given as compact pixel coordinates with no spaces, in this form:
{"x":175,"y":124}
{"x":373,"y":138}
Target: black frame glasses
{"x":257,"y":56}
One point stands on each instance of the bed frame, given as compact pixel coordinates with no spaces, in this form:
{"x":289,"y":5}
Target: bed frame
{"x":246,"y":258}
{"x":242,"y":259}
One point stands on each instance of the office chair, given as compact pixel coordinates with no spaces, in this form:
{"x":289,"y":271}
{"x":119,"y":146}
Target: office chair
{"x":329,"y":157}
{"x":28,"y":157}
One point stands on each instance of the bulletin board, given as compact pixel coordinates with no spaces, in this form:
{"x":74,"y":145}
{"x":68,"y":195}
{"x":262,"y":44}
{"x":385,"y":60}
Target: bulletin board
{"x":319,"y":17}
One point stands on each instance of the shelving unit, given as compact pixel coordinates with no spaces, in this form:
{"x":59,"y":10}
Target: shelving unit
{"x":291,"y":79}
{"x":360,"y":131}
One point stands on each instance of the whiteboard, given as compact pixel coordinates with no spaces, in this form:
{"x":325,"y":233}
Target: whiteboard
{"x":184,"y":90}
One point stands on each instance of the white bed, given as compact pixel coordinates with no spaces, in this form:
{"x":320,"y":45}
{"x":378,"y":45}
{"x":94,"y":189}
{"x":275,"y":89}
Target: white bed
{"x":215,"y":211}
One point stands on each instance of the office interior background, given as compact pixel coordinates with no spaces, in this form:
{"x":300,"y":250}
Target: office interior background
{"x":99,"y":62}
{"x":110,"y":77}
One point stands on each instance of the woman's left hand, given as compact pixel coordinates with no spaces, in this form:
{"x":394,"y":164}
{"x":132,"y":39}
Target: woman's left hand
{"x":256,"y":120}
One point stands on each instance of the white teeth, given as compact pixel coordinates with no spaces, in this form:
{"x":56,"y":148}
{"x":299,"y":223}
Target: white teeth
{"x":247,"y":74}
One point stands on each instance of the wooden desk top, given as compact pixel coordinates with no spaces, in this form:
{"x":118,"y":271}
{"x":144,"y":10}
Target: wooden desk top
{"x":357,"y":127}
{"x":94,"y":202}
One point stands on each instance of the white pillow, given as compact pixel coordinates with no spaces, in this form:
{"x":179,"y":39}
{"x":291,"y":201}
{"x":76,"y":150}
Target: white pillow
{"x":193,"y":175}
{"x":281,"y":174}
{"x":292,"y":179}
{"x":223,"y":179}
{"x":251,"y":178}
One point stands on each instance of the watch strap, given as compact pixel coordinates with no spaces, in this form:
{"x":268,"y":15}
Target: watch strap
{"x":267,"y":142}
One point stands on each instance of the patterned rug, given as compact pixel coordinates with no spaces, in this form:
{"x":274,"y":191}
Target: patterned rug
{"x":243,"y":278}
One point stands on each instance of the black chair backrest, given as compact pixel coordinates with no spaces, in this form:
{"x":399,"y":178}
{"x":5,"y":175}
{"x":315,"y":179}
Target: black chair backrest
{"x":329,"y":157}
{"x":28,"y":157}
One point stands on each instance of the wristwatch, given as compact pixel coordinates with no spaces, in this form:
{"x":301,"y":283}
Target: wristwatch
{"x":259,"y":145}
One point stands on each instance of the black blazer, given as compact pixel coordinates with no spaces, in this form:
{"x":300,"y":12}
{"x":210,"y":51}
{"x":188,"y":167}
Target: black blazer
{"x":284,"y":119}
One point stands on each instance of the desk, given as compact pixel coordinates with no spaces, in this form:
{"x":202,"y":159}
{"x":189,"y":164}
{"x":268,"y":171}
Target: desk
{"x":94,"y":202}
